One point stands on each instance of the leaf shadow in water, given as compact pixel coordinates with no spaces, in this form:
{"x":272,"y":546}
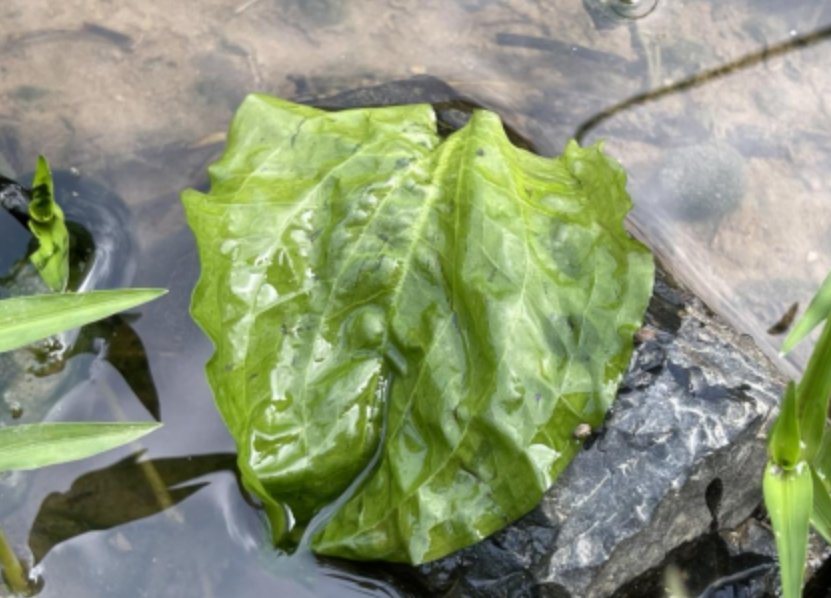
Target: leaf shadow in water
{"x":119,"y":494}
{"x":117,"y":343}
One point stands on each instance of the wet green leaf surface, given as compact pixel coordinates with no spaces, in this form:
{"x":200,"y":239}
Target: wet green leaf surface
{"x":474,"y":302}
{"x":31,"y":446}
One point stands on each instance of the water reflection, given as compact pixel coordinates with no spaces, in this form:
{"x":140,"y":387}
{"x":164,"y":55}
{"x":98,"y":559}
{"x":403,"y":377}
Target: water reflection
{"x":126,"y":491}
{"x":138,"y":97}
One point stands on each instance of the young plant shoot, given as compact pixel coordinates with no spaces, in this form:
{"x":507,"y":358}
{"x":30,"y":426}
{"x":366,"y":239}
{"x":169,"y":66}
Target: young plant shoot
{"x":796,"y":481}
{"x":46,"y":221}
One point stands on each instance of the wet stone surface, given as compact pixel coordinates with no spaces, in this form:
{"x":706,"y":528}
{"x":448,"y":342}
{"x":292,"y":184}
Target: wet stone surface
{"x":679,"y":456}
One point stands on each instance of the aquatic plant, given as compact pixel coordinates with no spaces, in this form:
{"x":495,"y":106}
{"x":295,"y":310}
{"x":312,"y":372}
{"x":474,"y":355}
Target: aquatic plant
{"x":797,"y":478}
{"x":46,"y":221}
{"x":27,"y":319}
{"x":410,"y":327}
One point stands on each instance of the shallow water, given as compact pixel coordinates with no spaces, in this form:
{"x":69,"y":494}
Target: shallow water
{"x":719,"y":111}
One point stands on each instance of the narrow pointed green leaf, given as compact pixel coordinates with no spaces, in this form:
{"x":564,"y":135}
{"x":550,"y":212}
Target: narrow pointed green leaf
{"x":783,"y":441}
{"x":821,"y":513}
{"x":47,"y":224}
{"x":822,"y":459}
{"x":485,"y":298}
{"x":24,"y":320}
{"x":31,"y":446}
{"x":813,"y":393}
{"x":789,"y":501}
{"x":816,"y":313}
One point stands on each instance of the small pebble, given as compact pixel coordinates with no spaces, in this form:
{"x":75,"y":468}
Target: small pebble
{"x":582,"y":431}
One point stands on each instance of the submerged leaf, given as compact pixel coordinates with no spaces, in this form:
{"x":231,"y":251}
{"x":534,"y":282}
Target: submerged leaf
{"x":485,"y":298}
{"x":47,"y":225}
{"x":789,"y":501}
{"x":31,"y":446}
{"x":24,"y":320}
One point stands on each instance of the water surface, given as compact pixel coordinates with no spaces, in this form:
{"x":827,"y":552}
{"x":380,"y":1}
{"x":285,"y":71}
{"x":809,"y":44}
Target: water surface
{"x":719,"y":111}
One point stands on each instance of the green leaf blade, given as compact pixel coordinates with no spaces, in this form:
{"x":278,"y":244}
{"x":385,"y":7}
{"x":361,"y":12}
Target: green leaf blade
{"x":789,"y":500}
{"x":484,"y":297}
{"x":24,"y":320}
{"x":813,"y":394}
{"x":32,"y":446}
{"x":47,"y":225}
{"x":821,"y":513}
{"x":816,"y":313}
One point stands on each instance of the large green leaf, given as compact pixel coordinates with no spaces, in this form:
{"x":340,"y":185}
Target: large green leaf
{"x":31,"y":446}
{"x":24,"y":320}
{"x":47,"y":224}
{"x":789,"y":500}
{"x":484,"y":298}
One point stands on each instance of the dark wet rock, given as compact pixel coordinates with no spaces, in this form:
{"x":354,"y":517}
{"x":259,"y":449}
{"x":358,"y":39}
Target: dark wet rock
{"x":680,"y":456}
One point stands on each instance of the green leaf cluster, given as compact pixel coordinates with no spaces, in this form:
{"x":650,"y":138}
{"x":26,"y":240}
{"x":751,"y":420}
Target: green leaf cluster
{"x":796,"y":481}
{"x":412,"y":325}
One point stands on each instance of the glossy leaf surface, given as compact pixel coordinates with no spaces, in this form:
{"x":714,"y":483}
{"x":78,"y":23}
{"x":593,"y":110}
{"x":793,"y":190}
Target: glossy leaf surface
{"x":47,"y":225}
{"x":789,"y":501}
{"x":24,"y":320}
{"x":31,"y":446}
{"x":358,"y":270}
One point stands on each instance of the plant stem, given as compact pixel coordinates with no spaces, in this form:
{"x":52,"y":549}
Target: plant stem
{"x":12,"y":568}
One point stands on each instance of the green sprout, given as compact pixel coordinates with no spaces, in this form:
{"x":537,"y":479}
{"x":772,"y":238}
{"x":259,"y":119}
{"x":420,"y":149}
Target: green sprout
{"x":796,"y":481}
{"x":46,"y":221}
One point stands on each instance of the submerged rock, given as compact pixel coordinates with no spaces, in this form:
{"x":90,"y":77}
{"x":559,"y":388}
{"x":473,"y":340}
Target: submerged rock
{"x":680,"y":455}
